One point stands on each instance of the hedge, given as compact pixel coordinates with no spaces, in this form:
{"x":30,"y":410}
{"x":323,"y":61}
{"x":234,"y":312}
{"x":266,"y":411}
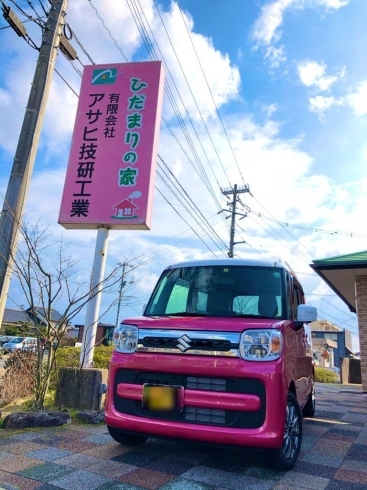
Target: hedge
{"x":69,"y":357}
{"x":323,"y":375}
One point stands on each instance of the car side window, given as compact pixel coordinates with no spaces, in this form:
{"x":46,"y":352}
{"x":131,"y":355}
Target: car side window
{"x":297,"y":300}
{"x":296,"y":296}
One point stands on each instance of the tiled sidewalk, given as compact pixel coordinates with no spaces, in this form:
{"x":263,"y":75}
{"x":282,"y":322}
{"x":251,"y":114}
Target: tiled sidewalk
{"x":334,"y":456}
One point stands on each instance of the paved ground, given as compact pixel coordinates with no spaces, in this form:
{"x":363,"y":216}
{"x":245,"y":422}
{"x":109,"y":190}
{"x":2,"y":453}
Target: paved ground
{"x":334,"y":456}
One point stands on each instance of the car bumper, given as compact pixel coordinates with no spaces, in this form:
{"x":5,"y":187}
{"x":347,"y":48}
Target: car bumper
{"x":244,"y":406}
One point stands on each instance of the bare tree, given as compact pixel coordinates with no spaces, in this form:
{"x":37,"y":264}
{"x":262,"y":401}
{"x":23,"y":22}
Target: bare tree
{"x":48,"y":276}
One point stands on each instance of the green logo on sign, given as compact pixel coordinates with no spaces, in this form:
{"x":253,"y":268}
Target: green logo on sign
{"x":103,"y":77}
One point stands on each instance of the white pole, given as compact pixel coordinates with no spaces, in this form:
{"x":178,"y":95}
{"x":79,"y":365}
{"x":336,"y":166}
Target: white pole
{"x":92,"y":314}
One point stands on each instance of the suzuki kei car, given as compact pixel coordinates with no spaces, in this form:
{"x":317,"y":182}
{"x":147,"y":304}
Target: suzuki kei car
{"x":222,"y":354}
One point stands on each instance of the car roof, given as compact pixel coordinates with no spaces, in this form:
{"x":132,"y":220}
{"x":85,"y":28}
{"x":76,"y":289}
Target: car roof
{"x":232,"y":262}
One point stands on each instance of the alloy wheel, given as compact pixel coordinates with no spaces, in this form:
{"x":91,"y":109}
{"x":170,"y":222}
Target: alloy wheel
{"x":291,"y":433}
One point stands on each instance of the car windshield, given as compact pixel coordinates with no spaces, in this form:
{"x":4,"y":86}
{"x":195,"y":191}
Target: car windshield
{"x":227,"y":291}
{"x":17,"y":340}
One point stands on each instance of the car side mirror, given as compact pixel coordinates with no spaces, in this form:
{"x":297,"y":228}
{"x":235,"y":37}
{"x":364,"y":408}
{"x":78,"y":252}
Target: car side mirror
{"x":306,"y":313}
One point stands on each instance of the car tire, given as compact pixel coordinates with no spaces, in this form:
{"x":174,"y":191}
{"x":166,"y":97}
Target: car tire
{"x":125,"y":439}
{"x":285,"y":457}
{"x":310,"y":406}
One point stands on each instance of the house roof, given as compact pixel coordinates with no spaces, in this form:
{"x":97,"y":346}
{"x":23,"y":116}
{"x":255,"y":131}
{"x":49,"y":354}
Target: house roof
{"x":55,"y":315}
{"x":356,"y":258}
{"x":339,"y":273}
{"x":14,"y":316}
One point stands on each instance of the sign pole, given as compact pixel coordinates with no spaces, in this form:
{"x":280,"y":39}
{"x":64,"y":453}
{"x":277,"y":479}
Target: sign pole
{"x":93,"y":305}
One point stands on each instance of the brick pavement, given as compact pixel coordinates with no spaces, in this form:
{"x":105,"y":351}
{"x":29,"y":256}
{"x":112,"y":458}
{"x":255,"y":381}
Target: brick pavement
{"x":81,"y":457}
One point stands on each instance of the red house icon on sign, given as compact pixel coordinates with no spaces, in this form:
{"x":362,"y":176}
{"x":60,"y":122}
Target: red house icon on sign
{"x":125,"y":209}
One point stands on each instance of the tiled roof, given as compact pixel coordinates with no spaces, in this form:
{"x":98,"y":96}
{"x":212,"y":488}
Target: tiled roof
{"x":18,"y":316}
{"x":55,"y":315}
{"x":14,"y":316}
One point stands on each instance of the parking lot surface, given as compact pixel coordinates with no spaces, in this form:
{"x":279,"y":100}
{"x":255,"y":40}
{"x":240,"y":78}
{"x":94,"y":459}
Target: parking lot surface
{"x":83,"y":457}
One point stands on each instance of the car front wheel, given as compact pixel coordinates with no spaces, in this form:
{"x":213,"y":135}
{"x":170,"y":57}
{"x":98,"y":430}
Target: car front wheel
{"x":286,"y":456}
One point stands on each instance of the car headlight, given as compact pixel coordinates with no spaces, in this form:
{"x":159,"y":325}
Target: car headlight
{"x":125,"y":338}
{"x":261,"y":345}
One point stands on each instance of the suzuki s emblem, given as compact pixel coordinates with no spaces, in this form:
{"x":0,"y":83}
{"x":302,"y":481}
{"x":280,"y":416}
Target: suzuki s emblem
{"x":184,"y":343}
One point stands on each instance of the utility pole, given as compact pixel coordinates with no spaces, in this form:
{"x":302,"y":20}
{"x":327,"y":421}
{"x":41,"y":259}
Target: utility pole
{"x":235,"y":191}
{"x":16,"y":194}
{"x":122,"y":285}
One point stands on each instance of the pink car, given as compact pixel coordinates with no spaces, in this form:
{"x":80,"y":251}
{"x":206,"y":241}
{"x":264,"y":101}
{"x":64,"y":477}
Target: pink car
{"x":221,"y":355}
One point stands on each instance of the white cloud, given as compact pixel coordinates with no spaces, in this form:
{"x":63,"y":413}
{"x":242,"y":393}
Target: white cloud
{"x":276,"y":56}
{"x":321,"y":103}
{"x":267,"y":28}
{"x":332,"y":4}
{"x":269,"y":110}
{"x":313,"y":74}
{"x":358,"y":99}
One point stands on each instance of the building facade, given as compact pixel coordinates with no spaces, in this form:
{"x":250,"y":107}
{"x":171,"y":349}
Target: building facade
{"x":347,"y":277}
{"x":331,"y":343}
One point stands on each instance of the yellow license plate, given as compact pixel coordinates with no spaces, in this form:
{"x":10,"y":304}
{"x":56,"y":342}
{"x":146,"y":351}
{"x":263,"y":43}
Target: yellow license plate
{"x":161,"y":398}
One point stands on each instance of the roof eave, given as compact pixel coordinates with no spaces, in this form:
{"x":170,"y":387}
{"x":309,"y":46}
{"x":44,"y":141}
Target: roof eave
{"x":318,"y":269}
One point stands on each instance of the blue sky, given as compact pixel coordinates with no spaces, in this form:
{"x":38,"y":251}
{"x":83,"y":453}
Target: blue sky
{"x":289,"y":81}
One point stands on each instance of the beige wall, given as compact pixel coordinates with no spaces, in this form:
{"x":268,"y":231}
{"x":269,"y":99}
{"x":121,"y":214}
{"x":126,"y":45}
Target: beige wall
{"x":361,"y":296}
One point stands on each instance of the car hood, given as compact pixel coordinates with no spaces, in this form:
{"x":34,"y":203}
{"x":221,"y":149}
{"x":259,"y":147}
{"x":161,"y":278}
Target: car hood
{"x":219,"y":324}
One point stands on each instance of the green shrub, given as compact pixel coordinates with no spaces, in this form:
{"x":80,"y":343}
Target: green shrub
{"x":323,"y":375}
{"x":102,"y":356}
{"x":69,"y":356}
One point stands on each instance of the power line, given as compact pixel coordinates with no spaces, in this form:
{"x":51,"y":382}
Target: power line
{"x":215,"y":105}
{"x":194,"y":206}
{"x":74,"y":36}
{"x":186,"y":208}
{"x":187,"y":82}
{"x":186,"y":222}
{"x":29,"y":17}
{"x":43,"y":7}
{"x":63,"y":79}
{"x":107,"y":29}
{"x":34,"y":10}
